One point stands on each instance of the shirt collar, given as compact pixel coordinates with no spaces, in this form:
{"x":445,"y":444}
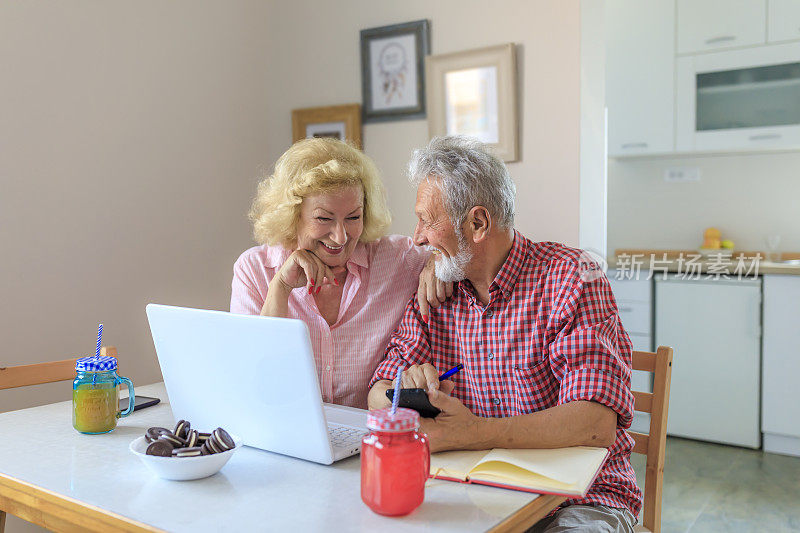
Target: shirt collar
{"x":506,"y":278}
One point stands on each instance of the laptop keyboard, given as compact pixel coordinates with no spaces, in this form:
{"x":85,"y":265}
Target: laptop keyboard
{"x":345,"y":436}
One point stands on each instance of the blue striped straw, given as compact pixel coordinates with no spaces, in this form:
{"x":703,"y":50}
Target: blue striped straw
{"x":99,"y":341}
{"x":396,"y":398}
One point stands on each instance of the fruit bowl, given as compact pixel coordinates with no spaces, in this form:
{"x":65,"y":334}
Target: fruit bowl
{"x":183,"y":468}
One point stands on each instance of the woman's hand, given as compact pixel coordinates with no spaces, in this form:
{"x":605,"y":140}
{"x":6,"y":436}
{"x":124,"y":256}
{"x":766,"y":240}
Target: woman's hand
{"x":431,"y":292}
{"x":303,"y":268}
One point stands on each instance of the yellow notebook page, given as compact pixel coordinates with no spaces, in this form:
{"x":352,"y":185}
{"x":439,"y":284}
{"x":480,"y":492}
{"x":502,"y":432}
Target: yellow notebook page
{"x":574,"y":466}
{"x":455,"y":464}
{"x":507,"y":474}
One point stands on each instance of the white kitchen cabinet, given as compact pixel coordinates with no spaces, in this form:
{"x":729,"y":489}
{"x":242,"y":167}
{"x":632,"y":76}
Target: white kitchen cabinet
{"x":707,"y":25}
{"x":780,"y":417}
{"x":635,"y":302}
{"x":783,"y":22}
{"x":714,"y":329}
{"x":640,"y":74}
{"x":746,"y":99}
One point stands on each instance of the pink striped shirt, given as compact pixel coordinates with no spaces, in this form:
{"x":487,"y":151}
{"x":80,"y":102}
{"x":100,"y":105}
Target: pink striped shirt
{"x":382,"y":276}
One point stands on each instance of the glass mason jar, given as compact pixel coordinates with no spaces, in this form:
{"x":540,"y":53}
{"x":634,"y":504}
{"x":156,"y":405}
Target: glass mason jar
{"x":395,"y":462}
{"x":95,"y":398}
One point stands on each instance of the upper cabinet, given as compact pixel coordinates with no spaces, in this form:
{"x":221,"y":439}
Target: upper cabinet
{"x":640,"y":76}
{"x":707,"y":25}
{"x":687,"y":76}
{"x":783,"y":20}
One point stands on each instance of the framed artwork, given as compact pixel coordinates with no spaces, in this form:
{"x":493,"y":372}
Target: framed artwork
{"x":393,"y":72}
{"x":338,"y":121}
{"x":474,"y":93}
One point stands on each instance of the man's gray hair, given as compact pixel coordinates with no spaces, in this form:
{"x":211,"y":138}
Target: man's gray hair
{"x":469,"y":175}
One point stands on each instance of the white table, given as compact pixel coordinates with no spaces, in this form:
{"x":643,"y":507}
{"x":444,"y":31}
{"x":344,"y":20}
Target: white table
{"x":54,"y":476}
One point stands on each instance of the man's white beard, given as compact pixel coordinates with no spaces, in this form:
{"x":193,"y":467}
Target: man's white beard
{"x":452,"y":269}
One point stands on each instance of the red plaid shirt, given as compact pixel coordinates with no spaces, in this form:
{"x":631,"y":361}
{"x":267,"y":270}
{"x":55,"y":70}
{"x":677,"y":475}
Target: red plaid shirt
{"x":551,"y":334}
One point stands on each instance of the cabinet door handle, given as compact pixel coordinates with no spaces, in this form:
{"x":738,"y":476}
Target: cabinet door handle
{"x":765,"y":136}
{"x":634,"y":145}
{"x":721,"y":39}
{"x":625,"y":309}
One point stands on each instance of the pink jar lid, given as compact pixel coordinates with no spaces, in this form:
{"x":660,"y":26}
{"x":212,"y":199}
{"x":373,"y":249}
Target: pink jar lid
{"x":403,"y":420}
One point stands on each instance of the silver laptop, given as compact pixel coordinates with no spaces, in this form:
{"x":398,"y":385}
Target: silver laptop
{"x":254,"y":376}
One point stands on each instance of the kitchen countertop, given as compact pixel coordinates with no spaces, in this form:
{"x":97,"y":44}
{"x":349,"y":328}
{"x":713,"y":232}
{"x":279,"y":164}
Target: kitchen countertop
{"x":690,"y":261}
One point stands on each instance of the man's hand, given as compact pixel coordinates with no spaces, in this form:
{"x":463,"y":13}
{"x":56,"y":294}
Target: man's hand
{"x":431,"y":291}
{"x":421,"y":377}
{"x":455,"y":428}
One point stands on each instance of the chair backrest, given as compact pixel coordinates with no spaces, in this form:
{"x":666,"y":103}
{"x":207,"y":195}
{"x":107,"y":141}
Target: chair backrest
{"x":654,"y":444}
{"x":36,"y":374}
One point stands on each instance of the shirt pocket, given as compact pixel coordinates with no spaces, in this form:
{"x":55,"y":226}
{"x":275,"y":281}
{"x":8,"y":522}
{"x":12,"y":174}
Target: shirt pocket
{"x":536,"y":387}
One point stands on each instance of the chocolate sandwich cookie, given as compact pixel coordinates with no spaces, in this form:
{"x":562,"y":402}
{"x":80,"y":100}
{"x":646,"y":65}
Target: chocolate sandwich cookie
{"x":161,"y":448}
{"x":205,"y":449}
{"x":182,"y":428}
{"x":202,"y":437}
{"x":212,"y":445}
{"x":154,"y":433}
{"x":187,"y":452}
{"x":174,"y":440}
{"x":191,"y":439}
{"x":223,"y":439}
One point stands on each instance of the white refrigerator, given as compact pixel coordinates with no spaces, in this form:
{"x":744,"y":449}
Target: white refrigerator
{"x":714,"y":327}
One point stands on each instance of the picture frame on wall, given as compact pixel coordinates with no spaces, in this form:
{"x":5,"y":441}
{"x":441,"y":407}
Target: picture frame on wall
{"x":474,"y":93}
{"x":341,"y":122}
{"x":393,"y":71}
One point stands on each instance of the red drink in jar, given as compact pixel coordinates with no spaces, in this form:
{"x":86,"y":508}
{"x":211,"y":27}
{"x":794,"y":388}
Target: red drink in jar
{"x":395,"y":462}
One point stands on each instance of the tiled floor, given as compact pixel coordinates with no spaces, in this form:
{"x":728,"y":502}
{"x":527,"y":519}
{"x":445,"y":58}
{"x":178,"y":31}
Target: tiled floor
{"x":711,"y":487}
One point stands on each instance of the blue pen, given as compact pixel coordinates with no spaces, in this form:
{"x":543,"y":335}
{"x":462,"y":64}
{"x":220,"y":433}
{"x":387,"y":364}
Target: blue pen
{"x":451,"y":372}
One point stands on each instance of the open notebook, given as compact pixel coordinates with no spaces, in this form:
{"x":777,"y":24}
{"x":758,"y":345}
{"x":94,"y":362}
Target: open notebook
{"x":562,"y":471}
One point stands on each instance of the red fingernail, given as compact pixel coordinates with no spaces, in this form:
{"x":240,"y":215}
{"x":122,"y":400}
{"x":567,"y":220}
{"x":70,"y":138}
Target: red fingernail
{"x":319,"y":289}
{"x":312,"y":280}
{"x":336,"y":282}
{"x":309,"y":290}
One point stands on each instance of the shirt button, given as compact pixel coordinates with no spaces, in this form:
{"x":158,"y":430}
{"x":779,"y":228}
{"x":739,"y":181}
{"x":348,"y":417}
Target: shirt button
{"x":490,"y":356}
{"x":489,"y":313}
{"x":328,"y":368}
{"x":496,"y":401}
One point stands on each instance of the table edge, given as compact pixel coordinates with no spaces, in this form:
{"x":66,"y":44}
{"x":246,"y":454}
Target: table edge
{"x":528,"y":515}
{"x":60,"y":513}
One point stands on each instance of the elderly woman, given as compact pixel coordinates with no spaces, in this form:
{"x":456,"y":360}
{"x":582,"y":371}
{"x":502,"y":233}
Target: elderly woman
{"x":320,"y":219}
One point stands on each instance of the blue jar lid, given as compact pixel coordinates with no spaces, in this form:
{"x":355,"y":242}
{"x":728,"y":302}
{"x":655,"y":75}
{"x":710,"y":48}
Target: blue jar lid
{"x":96,"y":364}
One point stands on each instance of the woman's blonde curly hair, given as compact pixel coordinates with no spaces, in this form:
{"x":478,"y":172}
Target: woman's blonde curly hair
{"x":313,"y":166}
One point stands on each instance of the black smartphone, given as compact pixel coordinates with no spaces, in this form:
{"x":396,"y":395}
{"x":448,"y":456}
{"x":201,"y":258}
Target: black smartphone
{"x":140,"y":403}
{"x":416,"y":399}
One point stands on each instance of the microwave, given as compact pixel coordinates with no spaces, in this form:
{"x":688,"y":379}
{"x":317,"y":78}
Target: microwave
{"x":745,"y":99}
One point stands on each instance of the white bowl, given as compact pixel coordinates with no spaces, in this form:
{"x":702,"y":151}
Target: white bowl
{"x":183,"y":468}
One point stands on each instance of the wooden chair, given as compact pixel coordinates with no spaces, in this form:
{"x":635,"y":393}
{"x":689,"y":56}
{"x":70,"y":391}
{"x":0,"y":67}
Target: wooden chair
{"x":654,"y":444}
{"x":38,"y":374}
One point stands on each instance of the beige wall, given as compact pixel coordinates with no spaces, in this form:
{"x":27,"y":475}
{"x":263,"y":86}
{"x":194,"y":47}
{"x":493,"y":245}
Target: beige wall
{"x":130,"y":137}
{"x":314,"y":60}
{"x":746,"y":196}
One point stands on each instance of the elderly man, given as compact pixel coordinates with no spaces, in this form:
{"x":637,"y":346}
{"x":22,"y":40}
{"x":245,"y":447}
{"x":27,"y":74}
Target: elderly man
{"x":547,"y":363}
